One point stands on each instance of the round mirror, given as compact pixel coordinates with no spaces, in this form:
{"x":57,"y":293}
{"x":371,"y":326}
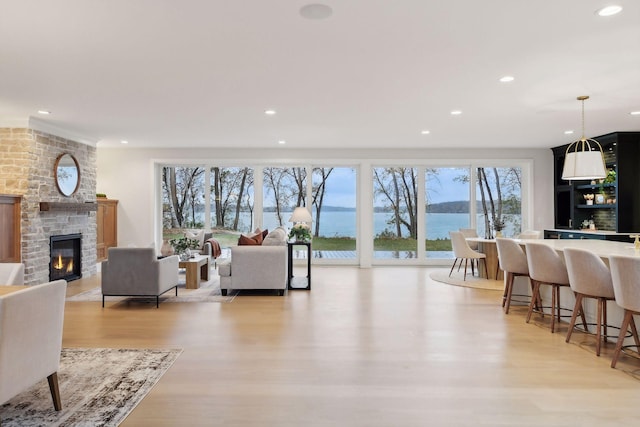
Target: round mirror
{"x":67,"y":174}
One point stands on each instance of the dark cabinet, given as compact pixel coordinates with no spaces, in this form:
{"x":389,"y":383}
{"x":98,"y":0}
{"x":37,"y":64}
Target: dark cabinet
{"x":615,"y":206}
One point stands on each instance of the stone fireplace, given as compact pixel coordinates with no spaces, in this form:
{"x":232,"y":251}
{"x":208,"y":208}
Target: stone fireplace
{"x":30,"y":157}
{"x":66,"y":257}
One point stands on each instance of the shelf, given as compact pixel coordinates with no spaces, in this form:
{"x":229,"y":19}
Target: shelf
{"x":594,"y":186}
{"x":68,"y":206}
{"x":602,"y":206}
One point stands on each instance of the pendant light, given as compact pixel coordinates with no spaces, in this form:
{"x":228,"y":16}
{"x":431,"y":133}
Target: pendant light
{"x":583,"y":158}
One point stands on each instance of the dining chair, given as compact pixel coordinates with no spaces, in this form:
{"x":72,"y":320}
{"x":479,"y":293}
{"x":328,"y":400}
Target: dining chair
{"x":462,"y":251}
{"x":513,"y":262}
{"x":589,"y":277}
{"x":625,"y":275}
{"x":546,"y":267}
{"x":470,"y":232}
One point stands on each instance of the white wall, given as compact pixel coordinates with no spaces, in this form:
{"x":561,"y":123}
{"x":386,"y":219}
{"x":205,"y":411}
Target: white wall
{"x":127,"y":174}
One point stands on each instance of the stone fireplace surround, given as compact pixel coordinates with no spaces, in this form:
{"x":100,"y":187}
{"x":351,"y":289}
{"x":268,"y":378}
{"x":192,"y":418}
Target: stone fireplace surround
{"x":27,"y":157}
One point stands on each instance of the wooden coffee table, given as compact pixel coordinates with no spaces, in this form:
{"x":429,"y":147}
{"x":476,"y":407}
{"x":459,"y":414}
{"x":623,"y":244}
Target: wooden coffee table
{"x":197,"y":269}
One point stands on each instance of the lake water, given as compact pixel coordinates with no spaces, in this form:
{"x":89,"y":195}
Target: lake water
{"x":343,"y":223}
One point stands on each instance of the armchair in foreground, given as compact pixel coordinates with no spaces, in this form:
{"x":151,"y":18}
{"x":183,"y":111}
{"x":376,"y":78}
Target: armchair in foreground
{"x":138,"y":272}
{"x":31,"y":322}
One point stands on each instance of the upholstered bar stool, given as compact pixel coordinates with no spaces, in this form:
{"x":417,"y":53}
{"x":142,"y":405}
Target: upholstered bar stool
{"x":462,"y":251}
{"x":589,"y":277}
{"x":513,"y":262}
{"x":546,"y":268}
{"x":625,"y":275}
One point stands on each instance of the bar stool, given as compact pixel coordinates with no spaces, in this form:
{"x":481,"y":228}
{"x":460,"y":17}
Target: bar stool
{"x":546,"y":268}
{"x":625,"y":275}
{"x":589,"y":277}
{"x":513,"y":262}
{"x":462,"y":251}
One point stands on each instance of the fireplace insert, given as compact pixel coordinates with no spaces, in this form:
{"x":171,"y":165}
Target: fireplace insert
{"x":66,"y":257}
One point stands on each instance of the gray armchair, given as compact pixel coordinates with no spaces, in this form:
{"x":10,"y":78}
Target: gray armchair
{"x":138,"y":272}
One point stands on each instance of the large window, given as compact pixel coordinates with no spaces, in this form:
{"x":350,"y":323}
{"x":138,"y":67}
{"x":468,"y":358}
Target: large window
{"x":406,"y":212}
{"x":448,"y":207}
{"x":232,"y":203}
{"x":395,"y":212}
{"x":334,"y":212}
{"x":183,"y":192}
{"x":283,"y":190}
{"x":499,"y":195}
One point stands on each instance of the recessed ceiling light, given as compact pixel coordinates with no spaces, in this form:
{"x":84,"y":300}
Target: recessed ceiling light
{"x":456,"y":112}
{"x":506,"y":79}
{"x":635,"y":113}
{"x":609,"y":10}
{"x":282,"y":142}
{"x":45,"y":112}
{"x":425,"y":132}
{"x":124,"y":142}
{"x":568,"y":132}
{"x":270,"y":112}
{"x":316,"y":11}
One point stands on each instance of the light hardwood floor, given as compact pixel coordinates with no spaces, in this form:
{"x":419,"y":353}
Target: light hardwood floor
{"x":384,"y":346}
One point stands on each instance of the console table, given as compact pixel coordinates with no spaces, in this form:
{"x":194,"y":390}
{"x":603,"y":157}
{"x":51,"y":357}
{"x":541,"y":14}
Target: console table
{"x":196,"y":268}
{"x":293,"y":282}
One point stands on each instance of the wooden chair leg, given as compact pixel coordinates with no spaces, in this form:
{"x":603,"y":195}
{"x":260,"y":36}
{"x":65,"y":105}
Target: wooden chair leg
{"x":628,"y":317}
{"x":554,"y":301}
{"x":453,"y":266}
{"x":509,"y":288}
{"x":576,"y":308}
{"x":534,"y":298}
{"x":55,"y":391}
{"x":599,"y":326}
{"x":466,"y":260}
{"x":634,"y":331}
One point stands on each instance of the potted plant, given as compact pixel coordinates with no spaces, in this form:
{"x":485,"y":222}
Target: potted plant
{"x":301,"y":232}
{"x":184,"y":244}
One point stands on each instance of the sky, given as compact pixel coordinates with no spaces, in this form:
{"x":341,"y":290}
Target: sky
{"x":341,"y":187}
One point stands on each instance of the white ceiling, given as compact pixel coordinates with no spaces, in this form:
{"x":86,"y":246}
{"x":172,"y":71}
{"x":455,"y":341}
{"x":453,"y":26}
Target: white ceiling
{"x":201,"y":73}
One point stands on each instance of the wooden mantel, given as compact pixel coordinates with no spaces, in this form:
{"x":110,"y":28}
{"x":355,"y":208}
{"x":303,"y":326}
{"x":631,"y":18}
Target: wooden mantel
{"x":68,"y":206}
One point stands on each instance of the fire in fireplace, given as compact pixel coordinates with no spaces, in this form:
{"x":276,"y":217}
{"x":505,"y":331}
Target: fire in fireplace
{"x":66,"y":257}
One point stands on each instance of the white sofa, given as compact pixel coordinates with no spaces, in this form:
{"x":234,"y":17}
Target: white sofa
{"x":31,"y":323}
{"x":11,"y":273}
{"x":257,"y":267}
{"x":138,"y":272}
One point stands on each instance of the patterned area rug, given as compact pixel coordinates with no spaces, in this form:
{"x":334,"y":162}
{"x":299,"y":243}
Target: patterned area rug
{"x":208,"y":292}
{"x":456,"y":279}
{"x":98,"y":387}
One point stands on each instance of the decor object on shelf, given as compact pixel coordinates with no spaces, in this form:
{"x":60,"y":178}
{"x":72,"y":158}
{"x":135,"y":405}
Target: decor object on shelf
{"x":611,"y":177}
{"x":589,"y":198}
{"x":599,"y":199}
{"x":301,"y":230}
{"x":67,"y":174}
{"x":583,"y":158}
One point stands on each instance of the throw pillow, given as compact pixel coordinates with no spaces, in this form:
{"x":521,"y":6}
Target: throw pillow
{"x":277,"y":237}
{"x":199,"y":237}
{"x":255,"y":240}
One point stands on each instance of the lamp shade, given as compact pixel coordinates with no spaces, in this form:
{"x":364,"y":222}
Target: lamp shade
{"x":583,"y":165}
{"x":300,"y":214}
